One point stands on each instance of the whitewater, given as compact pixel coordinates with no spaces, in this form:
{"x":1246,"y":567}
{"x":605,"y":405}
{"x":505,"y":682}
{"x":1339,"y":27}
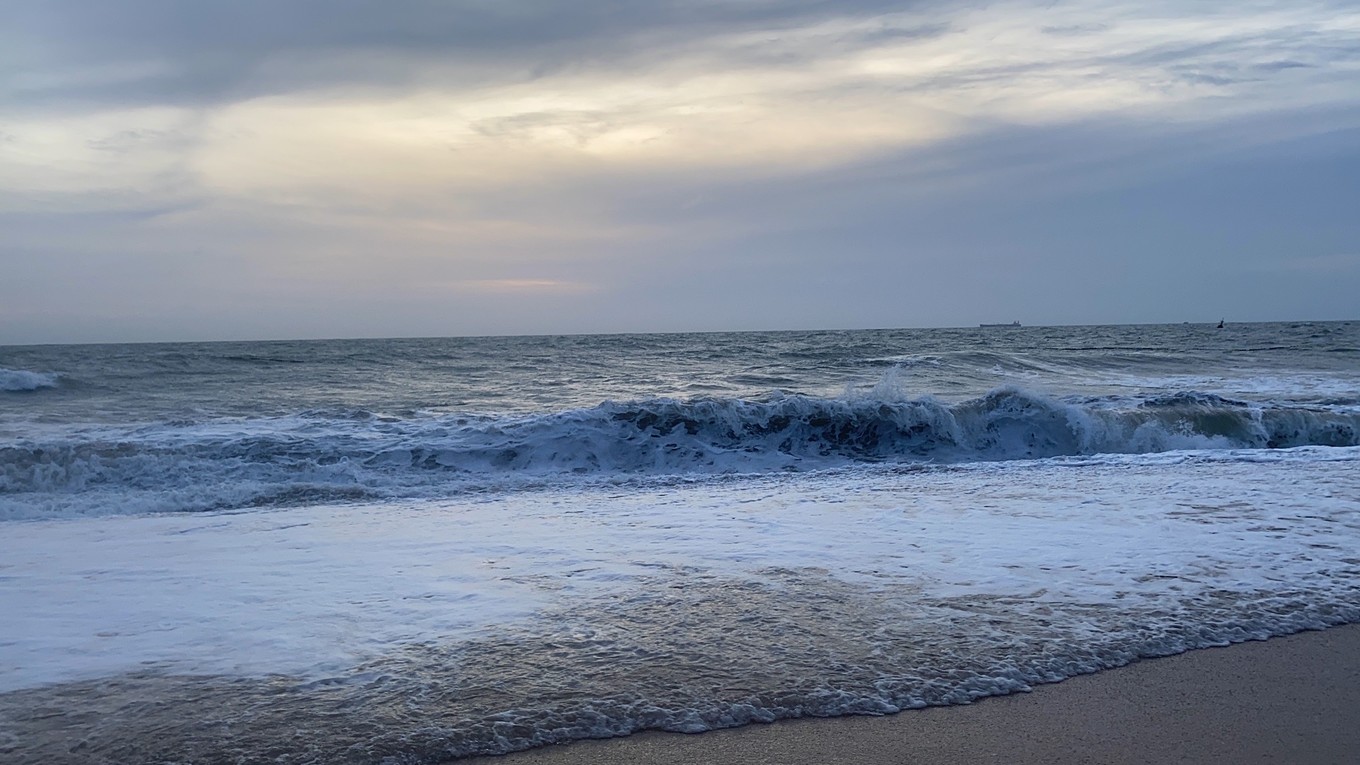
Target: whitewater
{"x":407,"y":551}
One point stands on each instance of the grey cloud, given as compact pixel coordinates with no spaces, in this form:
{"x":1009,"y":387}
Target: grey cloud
{"x":1073,"y":29}
{"x":210,"y":52}
{"x":1098,"y":220}
{"x":214,"y":50}
{"x":1275,"y":66}
{"x":1227,"y":76}
{"x":1057,"y":224}
{"x":802,"y":51}
{"x":90,"y":211}
{"x":988,"y":185}
{"x":1219,"y":63}
{"x":1212,"y":79}
{"x":127,"y":140}
{"x":1091,"y":222}
{"x":1323,"y":47}
{"x":920,"y":32}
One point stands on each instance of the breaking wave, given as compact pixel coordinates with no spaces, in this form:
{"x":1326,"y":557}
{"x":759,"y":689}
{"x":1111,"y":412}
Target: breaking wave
{"x":24,"y":381}
{"x":349,"y":455}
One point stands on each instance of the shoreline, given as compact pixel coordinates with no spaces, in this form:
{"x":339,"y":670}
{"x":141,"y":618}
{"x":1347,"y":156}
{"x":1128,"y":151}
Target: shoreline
{"x":1292,"y":699}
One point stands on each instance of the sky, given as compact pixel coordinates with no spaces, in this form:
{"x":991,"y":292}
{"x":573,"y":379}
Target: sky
{"x":261,"y":169}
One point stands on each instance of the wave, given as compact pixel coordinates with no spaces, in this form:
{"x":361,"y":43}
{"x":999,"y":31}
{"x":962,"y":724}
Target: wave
{"x":614,"y":670}
{"x":24,"y":381}
{"x":357,"y":454}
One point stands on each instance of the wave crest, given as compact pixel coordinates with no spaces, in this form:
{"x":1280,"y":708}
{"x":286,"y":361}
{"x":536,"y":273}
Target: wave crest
{"x":25,"y":381}
{"x":218,"y":464}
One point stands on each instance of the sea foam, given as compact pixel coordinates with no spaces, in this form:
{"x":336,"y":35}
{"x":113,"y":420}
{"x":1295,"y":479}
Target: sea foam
{"x":418,"y":632}
{"x":25,"y":381}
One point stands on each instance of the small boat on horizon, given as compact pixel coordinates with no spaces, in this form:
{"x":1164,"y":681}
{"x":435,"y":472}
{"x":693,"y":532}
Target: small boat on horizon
{"x":1012,"y":324}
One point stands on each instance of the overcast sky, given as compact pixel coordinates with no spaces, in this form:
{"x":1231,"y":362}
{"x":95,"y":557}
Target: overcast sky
{"x":175,"y":170}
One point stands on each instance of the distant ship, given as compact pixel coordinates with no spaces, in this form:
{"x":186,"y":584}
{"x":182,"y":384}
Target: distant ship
{"x":1012,"y":324}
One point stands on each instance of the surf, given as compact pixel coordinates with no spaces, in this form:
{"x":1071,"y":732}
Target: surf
{"x":340,"y":455}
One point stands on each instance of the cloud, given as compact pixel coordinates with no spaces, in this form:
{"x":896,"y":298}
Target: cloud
{"x":578,"y":153}
{"x":370,"y":102}
{"x":112,"y":160}
{"x":163,"y":51}
{"x":518,"y":285}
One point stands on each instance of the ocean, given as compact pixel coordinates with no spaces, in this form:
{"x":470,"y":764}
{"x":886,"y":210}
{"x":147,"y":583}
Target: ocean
{"x":408,"y":551}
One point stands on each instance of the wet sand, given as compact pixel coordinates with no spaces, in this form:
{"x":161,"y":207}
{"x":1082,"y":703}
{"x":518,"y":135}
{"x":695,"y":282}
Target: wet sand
{"x":1293,"y":700}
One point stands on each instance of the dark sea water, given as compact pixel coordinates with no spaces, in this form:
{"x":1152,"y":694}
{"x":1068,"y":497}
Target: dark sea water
{"x":100,"y":429}
{"x":401,"y":551}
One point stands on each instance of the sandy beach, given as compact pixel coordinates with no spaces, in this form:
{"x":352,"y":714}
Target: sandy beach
{"x":1292,"y":700}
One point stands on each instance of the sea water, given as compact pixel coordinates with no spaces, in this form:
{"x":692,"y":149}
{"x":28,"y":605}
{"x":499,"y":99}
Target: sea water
{"x":404,"y":551}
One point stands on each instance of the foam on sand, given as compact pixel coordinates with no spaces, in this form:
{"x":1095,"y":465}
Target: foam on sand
{"x":1290,"y":699}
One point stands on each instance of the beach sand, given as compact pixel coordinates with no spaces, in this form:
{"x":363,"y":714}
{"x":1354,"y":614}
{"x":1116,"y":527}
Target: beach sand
{"x":1293,"y":700}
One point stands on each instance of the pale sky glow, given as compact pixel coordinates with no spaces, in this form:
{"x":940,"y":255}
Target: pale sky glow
{"x":250,"y":169}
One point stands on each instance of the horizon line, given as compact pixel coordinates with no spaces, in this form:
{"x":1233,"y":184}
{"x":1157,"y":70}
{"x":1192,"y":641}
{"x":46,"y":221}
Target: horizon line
{"x":333,"y":339}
